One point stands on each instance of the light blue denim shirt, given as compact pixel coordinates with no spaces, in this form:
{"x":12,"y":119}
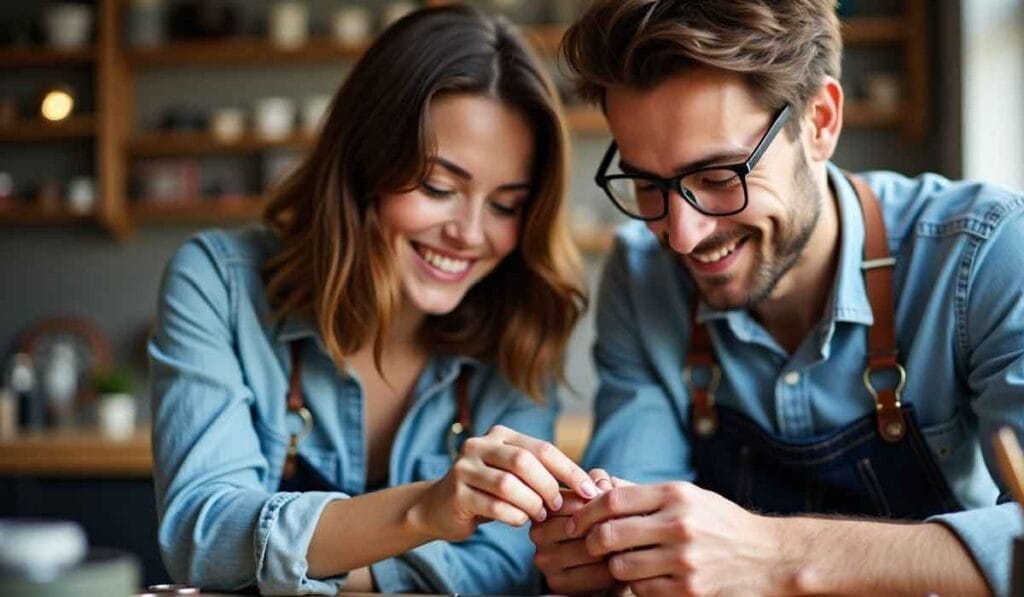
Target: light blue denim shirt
{"x":220,"y":368}
{"x":959,"y":287}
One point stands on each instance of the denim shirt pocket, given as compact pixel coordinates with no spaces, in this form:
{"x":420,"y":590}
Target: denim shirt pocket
{"x":946,"y":437}
{"x":275,"y":445}
{"x":431,"y":466}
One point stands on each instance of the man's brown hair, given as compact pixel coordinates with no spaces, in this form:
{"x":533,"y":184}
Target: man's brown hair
{"x":782,"y":48}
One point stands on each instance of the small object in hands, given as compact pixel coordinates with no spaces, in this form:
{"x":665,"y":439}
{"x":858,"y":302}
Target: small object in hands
{"x":350,"y":25}
{"x":68,"y":25}
{"x":56,"y":103}
{"x":289,"y":24}
{"x":81,"y":195}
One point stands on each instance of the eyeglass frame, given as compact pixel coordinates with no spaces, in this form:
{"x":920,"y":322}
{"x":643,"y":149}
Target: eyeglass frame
{"x":742,"y":169}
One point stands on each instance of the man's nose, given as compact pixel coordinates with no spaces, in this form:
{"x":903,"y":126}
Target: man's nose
{"x":686,"y":227}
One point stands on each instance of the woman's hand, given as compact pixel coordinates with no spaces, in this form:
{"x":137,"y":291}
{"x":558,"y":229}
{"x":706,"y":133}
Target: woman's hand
{"x":504,"y":476}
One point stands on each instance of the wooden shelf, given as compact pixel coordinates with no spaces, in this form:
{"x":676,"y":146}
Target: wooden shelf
{"x":197,"y":211}
{"x":201,"y":143}
{"x":74,"y":127}
{"x":32,"y":215}
{"x":43,"y":56}
{"x":76,"y":453}
{"x":875,"y":30}
{"x":242,"y":50}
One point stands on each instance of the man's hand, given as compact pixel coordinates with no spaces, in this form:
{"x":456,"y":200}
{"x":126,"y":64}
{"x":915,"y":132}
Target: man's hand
{"x":678,"y":539}
{"x":566,"y":565}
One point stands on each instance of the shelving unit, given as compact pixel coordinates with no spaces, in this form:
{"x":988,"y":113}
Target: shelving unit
{"x":115,"y":67}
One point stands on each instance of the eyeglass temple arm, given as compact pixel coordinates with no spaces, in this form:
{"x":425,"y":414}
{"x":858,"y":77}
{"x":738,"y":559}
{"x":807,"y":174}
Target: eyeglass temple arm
{"x":766,"y":140}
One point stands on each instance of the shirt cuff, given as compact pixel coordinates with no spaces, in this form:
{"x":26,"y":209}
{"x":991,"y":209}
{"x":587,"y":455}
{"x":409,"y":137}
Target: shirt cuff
{"x":416,"y":571}
{"x":283,"y":533}
{"x":988,"y":534}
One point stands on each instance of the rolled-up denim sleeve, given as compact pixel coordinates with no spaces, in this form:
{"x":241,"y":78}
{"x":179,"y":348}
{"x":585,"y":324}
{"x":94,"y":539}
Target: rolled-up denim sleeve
{"x":637,"y":430}
{"x":497,"y":558}
{"x":219,"y":527}
{"x":992,"y":334}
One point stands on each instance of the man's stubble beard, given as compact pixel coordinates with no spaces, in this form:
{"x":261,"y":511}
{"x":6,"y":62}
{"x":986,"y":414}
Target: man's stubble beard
{"x":801,"y":220}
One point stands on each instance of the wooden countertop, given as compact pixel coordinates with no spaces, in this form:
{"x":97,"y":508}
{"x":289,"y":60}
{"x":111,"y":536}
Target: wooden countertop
{"x":76,"y":452}
{"x":86,"y":453}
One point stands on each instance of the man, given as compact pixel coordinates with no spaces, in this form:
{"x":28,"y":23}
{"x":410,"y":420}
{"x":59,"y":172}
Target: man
{"x":827,"y":366}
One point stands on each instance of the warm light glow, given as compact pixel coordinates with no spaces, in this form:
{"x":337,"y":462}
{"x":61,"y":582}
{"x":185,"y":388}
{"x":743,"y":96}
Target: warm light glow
{"x":56,"y":105}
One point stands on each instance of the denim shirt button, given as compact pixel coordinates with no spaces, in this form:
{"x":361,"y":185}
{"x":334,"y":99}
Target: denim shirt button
{"x":792,"y":378}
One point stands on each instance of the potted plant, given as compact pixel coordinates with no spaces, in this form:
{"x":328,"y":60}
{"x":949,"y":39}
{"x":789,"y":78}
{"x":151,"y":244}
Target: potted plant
{"x":116,"y":410}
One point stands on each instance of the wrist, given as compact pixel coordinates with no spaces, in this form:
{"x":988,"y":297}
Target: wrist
{"x":792,"y":562}
{"x":418,"y":520}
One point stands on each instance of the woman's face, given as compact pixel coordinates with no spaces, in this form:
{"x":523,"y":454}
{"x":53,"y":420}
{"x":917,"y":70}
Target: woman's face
{"x":465,"y":216}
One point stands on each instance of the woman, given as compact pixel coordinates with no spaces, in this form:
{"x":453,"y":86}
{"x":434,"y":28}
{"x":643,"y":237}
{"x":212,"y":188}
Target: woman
{"x":314,"y":381}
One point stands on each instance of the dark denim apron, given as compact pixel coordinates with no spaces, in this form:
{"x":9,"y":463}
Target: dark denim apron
{"x":878,"y":465}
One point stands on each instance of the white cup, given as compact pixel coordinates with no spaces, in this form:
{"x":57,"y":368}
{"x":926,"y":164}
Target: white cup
{"x":116,"y":415}
{"x":227,"y":125}
{"x":275,"y":117}
{"x":68,"y":26}
{"x":289,"y":24}
{"x":351,"y":25}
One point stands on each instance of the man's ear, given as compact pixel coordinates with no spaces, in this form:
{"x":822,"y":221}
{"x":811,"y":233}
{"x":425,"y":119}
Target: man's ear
{"x":823,"y":120}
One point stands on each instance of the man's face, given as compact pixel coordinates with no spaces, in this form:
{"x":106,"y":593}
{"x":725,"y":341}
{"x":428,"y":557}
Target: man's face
{"x":708,"y":117}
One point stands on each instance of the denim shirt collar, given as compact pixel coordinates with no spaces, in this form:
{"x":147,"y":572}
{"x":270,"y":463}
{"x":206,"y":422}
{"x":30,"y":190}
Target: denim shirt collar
{"x":445,"y":368}
{"x":848,"y":301}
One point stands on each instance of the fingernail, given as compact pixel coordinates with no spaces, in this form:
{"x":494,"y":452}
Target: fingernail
{"x":557,"y":505}
{"x":604,"y":484}
{"x":542,"y":515}
{"x":588,"y":489}
{"x":570,"y":527}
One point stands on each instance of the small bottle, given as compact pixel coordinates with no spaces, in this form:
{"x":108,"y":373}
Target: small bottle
{"x":21,"y":378}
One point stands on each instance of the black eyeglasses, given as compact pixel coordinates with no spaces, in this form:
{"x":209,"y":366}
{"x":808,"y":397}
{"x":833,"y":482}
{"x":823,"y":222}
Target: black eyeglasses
{"x":719,"y":190}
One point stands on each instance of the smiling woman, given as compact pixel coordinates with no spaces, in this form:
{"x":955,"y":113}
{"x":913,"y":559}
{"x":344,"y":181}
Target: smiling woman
{"x":317,"y":382}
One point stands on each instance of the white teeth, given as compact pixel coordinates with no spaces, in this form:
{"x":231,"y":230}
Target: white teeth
{"x":716,"y":255}
{"x":445,"y":264}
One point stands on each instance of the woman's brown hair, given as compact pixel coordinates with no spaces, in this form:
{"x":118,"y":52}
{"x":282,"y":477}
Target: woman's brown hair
{"x":335,"y":263}
{"x":783,"y":48}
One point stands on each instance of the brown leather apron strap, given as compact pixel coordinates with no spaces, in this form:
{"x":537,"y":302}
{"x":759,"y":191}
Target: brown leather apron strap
{"x":296,"y":405}
{"x":704,"y":419}
{"x":882,"y":351}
